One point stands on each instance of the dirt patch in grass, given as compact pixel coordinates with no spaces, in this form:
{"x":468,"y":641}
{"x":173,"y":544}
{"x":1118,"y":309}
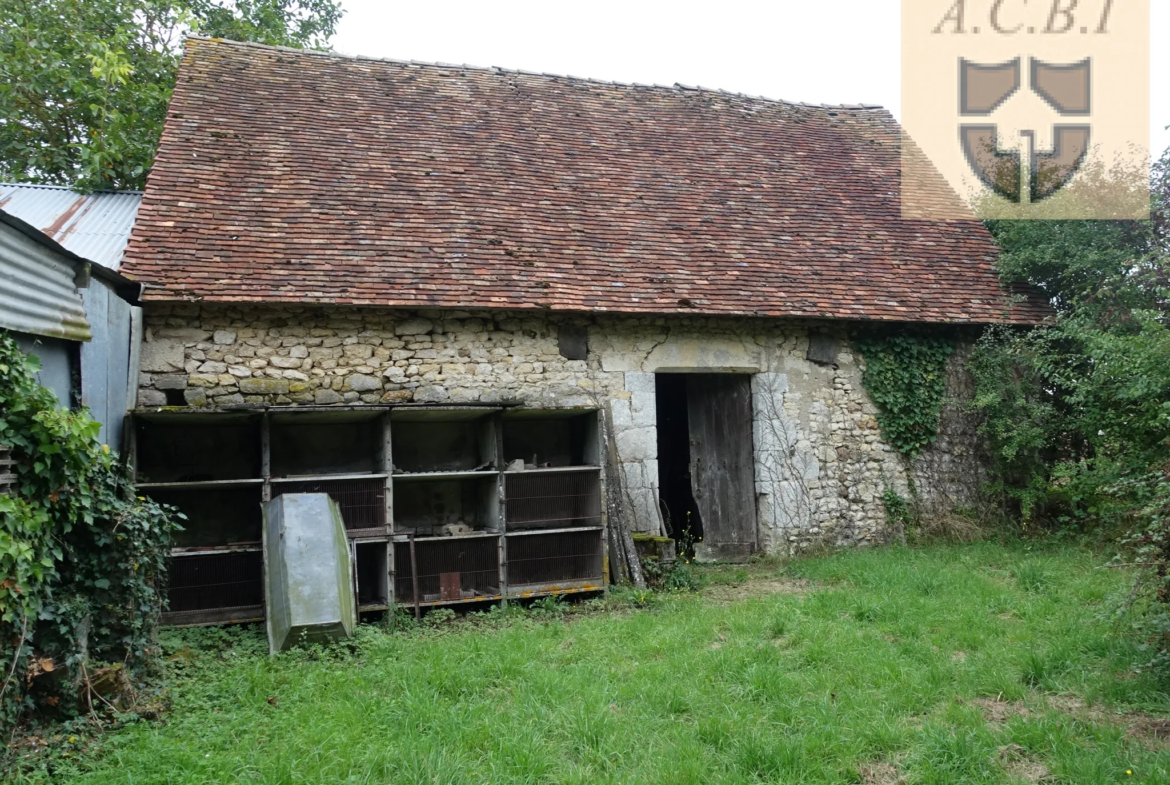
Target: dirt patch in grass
{"x":1016,"y":763}
{"x":999,"y":712}
{"x":755,"y":587}
{"x":880,"y":773}
{"x":1150,"y":731}
{"x":1143,"y":728}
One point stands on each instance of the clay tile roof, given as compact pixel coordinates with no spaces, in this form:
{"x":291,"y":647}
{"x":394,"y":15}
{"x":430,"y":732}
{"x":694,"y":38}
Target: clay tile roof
{"x":304,"y":177}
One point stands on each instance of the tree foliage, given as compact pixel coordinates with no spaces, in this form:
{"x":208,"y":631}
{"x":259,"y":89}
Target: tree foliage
{"x":83,"y":557}
{"x":1077,"y":412}
{"x":84,"y":84}
{"x":1083,"y":402}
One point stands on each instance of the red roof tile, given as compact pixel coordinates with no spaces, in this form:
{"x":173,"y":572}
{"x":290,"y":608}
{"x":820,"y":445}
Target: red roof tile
{"x":289,"y":176}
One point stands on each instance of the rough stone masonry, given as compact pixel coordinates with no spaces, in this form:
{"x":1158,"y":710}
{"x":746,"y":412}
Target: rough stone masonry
{"x":821,"y":465}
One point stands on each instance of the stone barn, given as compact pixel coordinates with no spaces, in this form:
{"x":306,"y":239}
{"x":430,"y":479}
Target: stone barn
{"x":492,"y":312}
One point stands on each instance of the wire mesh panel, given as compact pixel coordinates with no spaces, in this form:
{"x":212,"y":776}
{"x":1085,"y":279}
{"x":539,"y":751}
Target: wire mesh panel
{"x":216,"y":581}
{"x":554,"y":558}
{"x":459,"y":569}
{"x":553,"y":498}
{"x":7,"y":478}
{"x":362,"y":501}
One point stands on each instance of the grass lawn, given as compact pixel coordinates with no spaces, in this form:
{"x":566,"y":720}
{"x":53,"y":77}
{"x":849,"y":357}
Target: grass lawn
{"x":950,"y":664}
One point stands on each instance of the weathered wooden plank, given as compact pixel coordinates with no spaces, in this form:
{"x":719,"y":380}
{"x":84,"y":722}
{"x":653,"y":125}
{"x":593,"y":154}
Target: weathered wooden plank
{"x":719,"y":413}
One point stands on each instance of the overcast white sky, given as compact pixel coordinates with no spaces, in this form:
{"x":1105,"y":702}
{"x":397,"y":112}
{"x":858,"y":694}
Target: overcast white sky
{"x":820,"y":51}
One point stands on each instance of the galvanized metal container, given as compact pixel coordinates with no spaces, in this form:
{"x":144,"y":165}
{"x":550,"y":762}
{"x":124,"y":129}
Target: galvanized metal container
{"x":307,"y":571}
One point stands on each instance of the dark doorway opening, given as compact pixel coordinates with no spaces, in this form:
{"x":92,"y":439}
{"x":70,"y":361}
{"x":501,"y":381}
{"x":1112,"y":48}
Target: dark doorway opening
{"x":706,"y":468}
{"x":674,"y":460}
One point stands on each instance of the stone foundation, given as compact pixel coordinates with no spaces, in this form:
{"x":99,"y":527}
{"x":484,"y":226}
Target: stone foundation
{"x":821,"y":463}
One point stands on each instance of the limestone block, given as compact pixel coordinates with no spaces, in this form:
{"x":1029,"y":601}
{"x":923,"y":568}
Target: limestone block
{"x":618,"y":362}
{"x":709,"y":353}
{"x":151,"y":398}
{"x":195,"y":396}
{"x":327,"y":396}
{"x":263,"y":386}
{"x":770,"y":385}
{"x":285,"y":362}
{"x":171,"y":381}
{"x":637,"y":444}
{"x":239,"y":371}
{"x":639,"y":381}
{"x":182,"y":333}
{"x":397,"y":396}
{"x":224,"y":337}
{"x":361,"y":383}
{"x":359,"y":351}
{"x":235,"y":399}
{"x":623,"y":418}
{"x":161,"y":356}
{"x":633,"y":476}
{"x":643,"y":410}
{"x":431,"y":393}
{"x":464,"y":395}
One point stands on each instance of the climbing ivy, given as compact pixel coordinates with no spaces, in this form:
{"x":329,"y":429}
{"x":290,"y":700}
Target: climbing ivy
{"x":905,"y":375}
{"x":82,"y":558}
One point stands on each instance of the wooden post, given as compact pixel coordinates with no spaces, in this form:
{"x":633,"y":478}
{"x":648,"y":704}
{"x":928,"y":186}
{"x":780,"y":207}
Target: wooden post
{"x":414,"y":578}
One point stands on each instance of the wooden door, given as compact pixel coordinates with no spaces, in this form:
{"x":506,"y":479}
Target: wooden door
{"x":719,"y":413}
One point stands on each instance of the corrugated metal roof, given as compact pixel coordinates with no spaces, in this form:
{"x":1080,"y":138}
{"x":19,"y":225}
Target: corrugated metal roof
{"x":37,"y":290}
{"x":94,"y":226}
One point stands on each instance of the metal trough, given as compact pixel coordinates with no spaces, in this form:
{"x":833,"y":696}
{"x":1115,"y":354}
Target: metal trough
{"x":307,"y":571}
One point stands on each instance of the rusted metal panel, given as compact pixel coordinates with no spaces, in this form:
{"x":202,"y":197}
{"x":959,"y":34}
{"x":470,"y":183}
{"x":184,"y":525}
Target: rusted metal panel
{"x":37,"y":291}
{"x":450,"y":586}
{"x":719,"y":413}
{"x":539,"y":560}
{"x":94,"y":226}
{"x":473,"y":560}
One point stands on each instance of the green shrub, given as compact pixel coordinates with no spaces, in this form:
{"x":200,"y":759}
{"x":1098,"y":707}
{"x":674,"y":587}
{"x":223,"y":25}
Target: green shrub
{"x":1076,"y":412}
{"x":84,"y":557}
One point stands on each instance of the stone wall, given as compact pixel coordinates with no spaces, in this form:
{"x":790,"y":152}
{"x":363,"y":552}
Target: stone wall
{"x":821,"y":464}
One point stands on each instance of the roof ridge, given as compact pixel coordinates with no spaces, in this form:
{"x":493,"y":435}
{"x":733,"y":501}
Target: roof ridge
{"x":50,"y":187}
{"x":495,"y":69}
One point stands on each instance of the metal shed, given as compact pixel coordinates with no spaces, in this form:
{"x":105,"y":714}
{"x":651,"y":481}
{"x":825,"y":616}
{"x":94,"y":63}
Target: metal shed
{"x":81,"y":319}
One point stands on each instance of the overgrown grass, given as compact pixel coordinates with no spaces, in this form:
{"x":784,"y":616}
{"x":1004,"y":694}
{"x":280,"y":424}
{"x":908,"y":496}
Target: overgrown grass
{"x":884,"y":660}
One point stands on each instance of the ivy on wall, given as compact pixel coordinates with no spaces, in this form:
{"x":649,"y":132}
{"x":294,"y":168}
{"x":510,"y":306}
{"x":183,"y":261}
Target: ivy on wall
{"x":905,"y":375}
{"x":82,"y":558}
